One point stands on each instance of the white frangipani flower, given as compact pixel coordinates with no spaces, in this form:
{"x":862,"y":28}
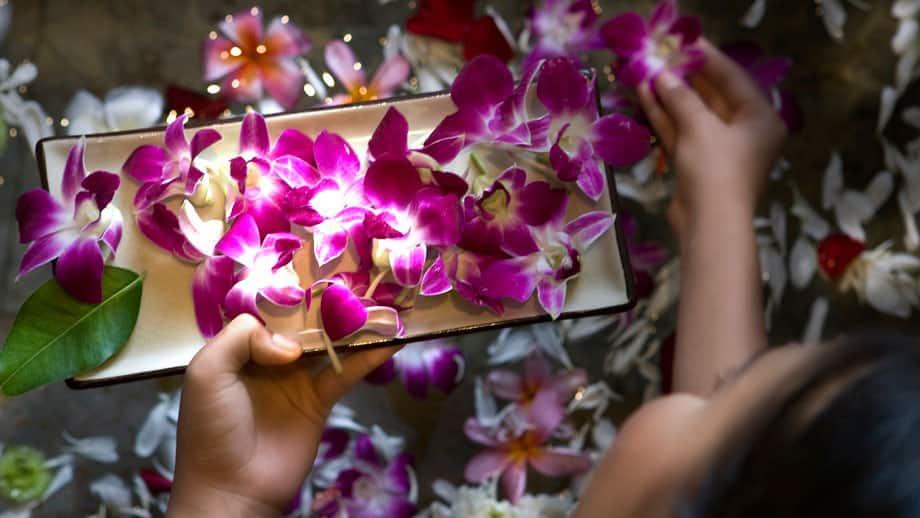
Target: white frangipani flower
{"x":886,"y":280}
{"x":853,"y":208}
{"x":28,"y":116}
{"x":124,"y":108}
{"x":482,"y":502}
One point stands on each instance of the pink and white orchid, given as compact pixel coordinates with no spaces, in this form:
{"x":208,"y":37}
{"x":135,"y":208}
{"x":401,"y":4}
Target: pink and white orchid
{"x":267,"y":268}
{"x":170,"y":171}
{"x":667,"y":41}
{"x":484,"y":281}
{"x":562,"y":28}
{"x":340,"y":59}
{"x":421,"y":364}
{"x":249,"y":60}
{"x":514,"y":445}
{"x":579,"y":136}
{"x":72,"y":228}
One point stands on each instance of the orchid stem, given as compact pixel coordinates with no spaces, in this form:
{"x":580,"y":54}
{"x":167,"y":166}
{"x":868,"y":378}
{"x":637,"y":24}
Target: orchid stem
{"x":531,"y":163}
{"x":333,"y":356}
{"x":374,"y":284}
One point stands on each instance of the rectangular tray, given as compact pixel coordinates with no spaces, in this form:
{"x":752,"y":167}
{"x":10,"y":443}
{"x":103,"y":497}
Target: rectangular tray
{"x":166,"y":337}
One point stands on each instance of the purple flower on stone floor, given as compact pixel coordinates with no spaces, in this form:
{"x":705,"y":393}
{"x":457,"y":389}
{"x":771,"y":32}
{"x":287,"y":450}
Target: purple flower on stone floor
{"x":391,"y":74}
{"x":421,"y":364}
{"x":411,"y":215}
{"x":562,"y":28}
{"x":373,"y":487}
{"x":499,"y":221}
{"x":170,"y":171}
{"x":264,"y":173}
{"x":558,"y":259}
{"x":578,"y":136}
{"x":250,"y":60}
{"x":667,"y":41}
{"x":351,"y":303}
{"x":267,"y":269}
{"x":518,"y":443}
{"x":332,"y":206}
{"x":80,"y":229}
{"x":769,"y":74}
{"x":523,"y":389}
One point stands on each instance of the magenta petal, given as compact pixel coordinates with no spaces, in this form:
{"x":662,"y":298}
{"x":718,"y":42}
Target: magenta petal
{"x":242,"y":241}
{"x":161,"y":226}
{"x":514,"y":480}
{"x":541,"y":203}
{"x":329,"y":242}
{"x":391,"y":135}
{"x":437,"y":218}
{"x":551,"y":294}
{"x":287,"y":296}
{"x":254,"y":139}
{"x":74,"y":170}
{"x":383,"y":374}
{"x":451,"y":183}
{"x":102,"y":185}
{"x":561,"y":87}
{"x":295,"y":172}
{"x":435,"y":281}
{"x":407,"y":265}
{"x":365,"y":451}
{"x":560,"y":462}
{"x":44,"y":250}
{"x":506,"y":385}
{"x":242,"y":299}
{"x":39,"y":214}
{"x":485,"y":465}
{"x":635,"y":71}
{"x":203,"y":139}
{"x":335,"y":158}
{"x":414,"y":375}
{"x":392,"y":182}
{"x":398,"y":478}
{"x":294,"y":143}
{"x":625,"y":34}
{"x":592,"y":181}
{"x":342,"y":312}
{"x":508,"y":279}
{"x":664,"y":14}
{"x":175,"y":140}
{"x":587,"y":228}
{"x":79,"y":270}
{"x":688,"y":27}
{"x":112,"y":235}
{"x":518,"y":241}
{"x":445,"y":365}
{"x":482,"y":84}
{"x":620,"y":141}
{"x":213,"y":280}
{"x":145,"y":164}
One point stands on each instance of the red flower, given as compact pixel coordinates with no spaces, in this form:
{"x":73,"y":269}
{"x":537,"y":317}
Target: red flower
{"x":835,"y":254}
{"x":454,"y":21}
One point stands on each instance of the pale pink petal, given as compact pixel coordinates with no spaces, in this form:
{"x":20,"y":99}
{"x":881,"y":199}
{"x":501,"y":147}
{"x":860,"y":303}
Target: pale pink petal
{"x":560,"y":463}
{"x":588,"y":228}
{"x":506,"y":385}
{"x":217,"y":60}
{"x":485,"y":465}
{"x":79,"y":270}
{"x":479,"y":433}
{"x":283,"y":80}
{"x":536,"y":369}
{"x":545,"y":413}
{"x":285,"y":39}
{"x":384,"y":321}
{"x":341,"y":61}
{"x":390,"y":76}
{"x":244,"y":28}
{"x":514,"y":481}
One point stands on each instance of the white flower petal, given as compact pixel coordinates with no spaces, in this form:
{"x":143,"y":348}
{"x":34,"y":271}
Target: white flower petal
{"x":905,"y":8}
{"x":63,"y":477}
{"x":132,"y":107}
{"x":813,"y":225}
{"x":851,"y":210}
{"x":888,"y":100}
{"x":816,"y":319}
{"x":905,"y":37}
{"x":142,"y":492}
{"x":803,"y":262}
{"x":112,"y":490}
{"x":388,"y":445}
{"x":879,"y":190}
{"x":778,"y":225}
{"x":835,"y":17}
{"x":911,"y":235}
{"x":102,"y":449}
{"x":86,"y":114}
{"x":833,"y":181}
{"x":905,"y":71}
{"x":754,"y":14}
{"x":603,"y":434}
{"x":883,"y":293}
{"x":152,"y":431}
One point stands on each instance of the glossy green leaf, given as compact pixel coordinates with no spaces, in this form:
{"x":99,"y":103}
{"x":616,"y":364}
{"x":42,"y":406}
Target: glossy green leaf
{"x":55,"y":337}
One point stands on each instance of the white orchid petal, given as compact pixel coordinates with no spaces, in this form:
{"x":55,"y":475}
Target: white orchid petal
{"x":803,"y":262}
{"x":905,"y":8}
{"x":833,"y":181}
{"x":112,"y":490}
{"x":23,"y":74}
{"x":603,"y":434}
{"x":142,"y":492}
{"x":905,"y":70}
{"x":388,"y":445}
{"x":132,"y":107}
{"x":883,"y":293}
{"x":905,"y":36}
{"x":817,"y":316}
{"x":851,"y":211}
{"x":778,"y":224}
{"x":152,"y":431}
{"x":102,"y":449}
{"x":835,"y":17}
{"x":485,"y":404}
{"x":911,"y":234}
{"x":879,"y":190}
{"x":754,"y":14}
{"x":888,"y":100}
{"x":85,"y":113}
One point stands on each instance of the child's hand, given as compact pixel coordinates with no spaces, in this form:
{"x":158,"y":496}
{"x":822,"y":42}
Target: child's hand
{"x":251,"y":420}
{"x":722,"y":135}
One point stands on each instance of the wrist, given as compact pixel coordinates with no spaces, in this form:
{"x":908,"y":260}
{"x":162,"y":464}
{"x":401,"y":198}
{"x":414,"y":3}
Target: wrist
{"x":715,"y":217}
{"x":192,"y":500}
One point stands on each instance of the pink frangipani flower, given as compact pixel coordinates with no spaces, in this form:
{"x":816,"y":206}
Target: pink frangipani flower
{"x":513,"y":446}
{"x":522,"y":389}
{"x":267,"y":268}
{"x":373,"y":487}
{"x":167,"y":172}
{"x":249,"y":60}
{"x":264,"y":173}
{"x":72,"y":228}
{"x":421,"y":364}
{"x":644,"y":50}
{"x":350,"y":303}
{"x":562,"y":28}
{"x":340,"y":59}
{"x":579,"y":136}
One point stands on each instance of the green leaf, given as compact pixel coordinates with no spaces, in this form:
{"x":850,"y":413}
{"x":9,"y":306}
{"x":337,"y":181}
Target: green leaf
{"x":55,"y":337}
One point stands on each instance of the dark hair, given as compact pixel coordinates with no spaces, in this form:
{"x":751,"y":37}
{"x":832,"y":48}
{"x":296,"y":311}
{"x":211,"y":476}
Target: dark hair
{"x":858,"y":456}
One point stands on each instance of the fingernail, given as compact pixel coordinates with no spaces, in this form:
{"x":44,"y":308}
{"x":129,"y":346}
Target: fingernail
{"x":669,"y":80}
{"x":285,"y":343}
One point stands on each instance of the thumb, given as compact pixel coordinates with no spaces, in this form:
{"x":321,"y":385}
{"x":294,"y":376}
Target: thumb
{"x":681,"y":102}
{"x":244,"y":340}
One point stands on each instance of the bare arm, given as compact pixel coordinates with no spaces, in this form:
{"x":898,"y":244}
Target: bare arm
{"x":723,"y":137}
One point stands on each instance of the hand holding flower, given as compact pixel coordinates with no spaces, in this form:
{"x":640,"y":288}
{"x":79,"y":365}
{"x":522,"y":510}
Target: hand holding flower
{"x":251,"y":419}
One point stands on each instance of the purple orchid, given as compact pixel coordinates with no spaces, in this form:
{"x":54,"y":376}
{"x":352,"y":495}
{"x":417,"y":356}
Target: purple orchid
{"x":667,"y":41}
{"x":420,"y":364}
{"x":167,"y":172}
{"x":769,"y":73}
{"x":373,"y":487}
{"x":412,"y":215}
{"x":579,"y":136}
{"x":522,"y":389}
{"x":350,"y":303}
{"x":331,"y":206}
{"x":340,"y":59}
{"x":645,"y":256}
{"x":249,"y":60}
{"x":264,"y":174}
{"x":267,"y":268}
{"x":513,"y":446}
{"x":499,"y":221}
{"x":562,"y":28}
{"x":73,"y":228}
